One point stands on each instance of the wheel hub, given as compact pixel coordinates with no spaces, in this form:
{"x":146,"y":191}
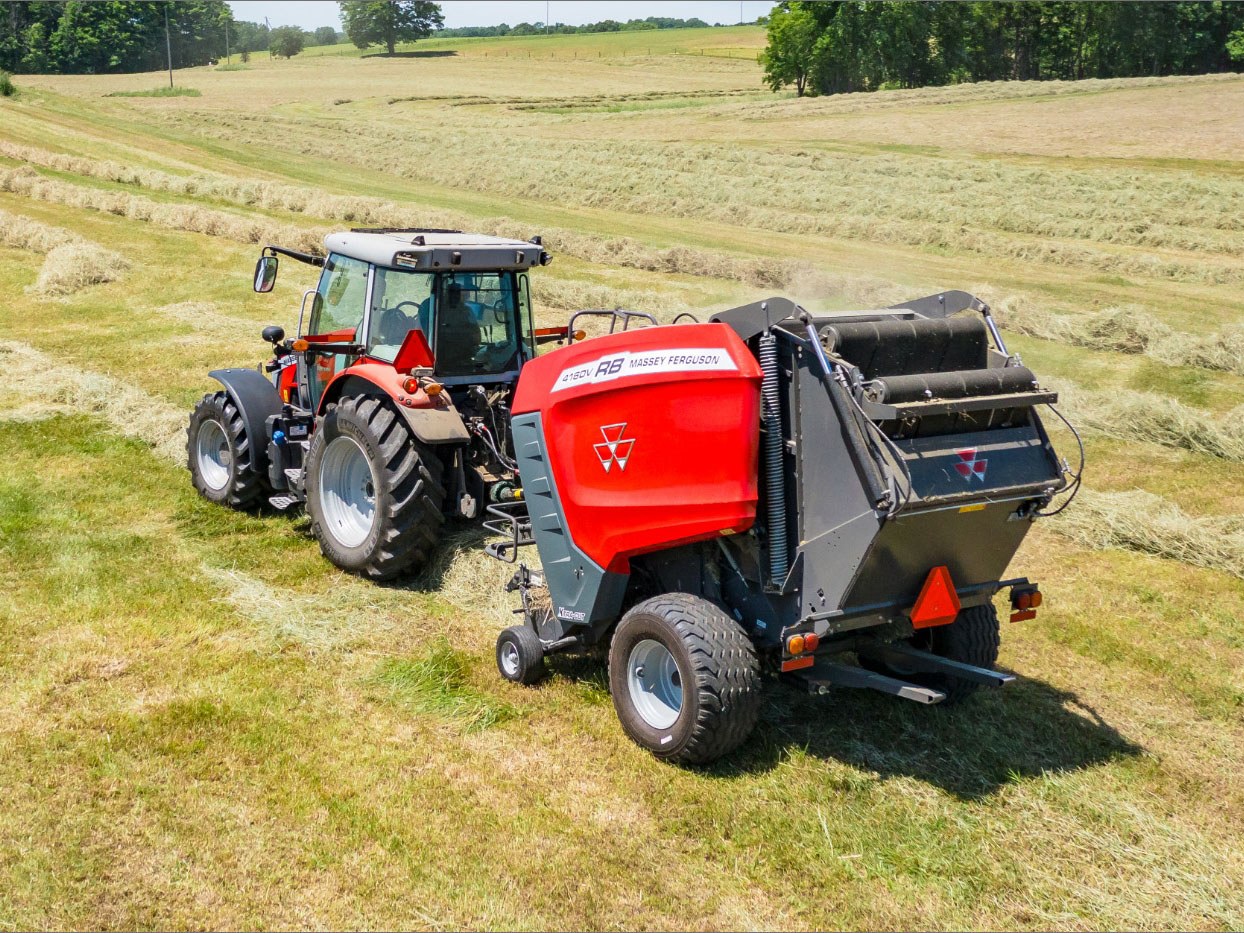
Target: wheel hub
{"x":213,"y":455}
{"x":654,"y":683}
{"x":347,"y":492}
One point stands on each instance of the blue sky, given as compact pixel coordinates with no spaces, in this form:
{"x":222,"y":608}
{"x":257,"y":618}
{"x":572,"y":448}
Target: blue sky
{"x":310,"y":14}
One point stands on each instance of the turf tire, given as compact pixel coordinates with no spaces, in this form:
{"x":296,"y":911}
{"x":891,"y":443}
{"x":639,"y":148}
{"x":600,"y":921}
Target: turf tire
{"x":243,"y":489}
{"x":718,"y":670}
{"x":409,"y":493}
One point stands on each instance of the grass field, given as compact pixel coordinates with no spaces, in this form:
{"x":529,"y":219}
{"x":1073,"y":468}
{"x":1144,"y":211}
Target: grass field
{"x":202,"y":723}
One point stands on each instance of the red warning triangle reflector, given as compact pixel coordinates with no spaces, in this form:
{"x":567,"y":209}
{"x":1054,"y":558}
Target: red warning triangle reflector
{"x":938,"y":603}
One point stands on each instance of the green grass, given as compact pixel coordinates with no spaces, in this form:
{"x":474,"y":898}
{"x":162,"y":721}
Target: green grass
{"x":159,"y":92}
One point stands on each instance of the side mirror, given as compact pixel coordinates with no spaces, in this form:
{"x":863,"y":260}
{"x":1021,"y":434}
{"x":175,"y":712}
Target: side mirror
{"x":273,"y":333}
{"x":265,"y":273}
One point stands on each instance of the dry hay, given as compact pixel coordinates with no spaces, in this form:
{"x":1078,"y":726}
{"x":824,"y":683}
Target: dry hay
{"x":1058,"y":216}
{"x":1157,"y":419}
{"x":75,"y":266}
{"x":1144,"y":522}
{"x":131,"y":411}
{"x":464,"y":576}
{"x":186,"y":217}
{"x":1123,"y":329}
{"x":21,"y":232}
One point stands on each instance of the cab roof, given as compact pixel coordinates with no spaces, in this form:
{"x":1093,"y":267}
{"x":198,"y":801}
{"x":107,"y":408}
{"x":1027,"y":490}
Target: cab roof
{"x":433,"y":250}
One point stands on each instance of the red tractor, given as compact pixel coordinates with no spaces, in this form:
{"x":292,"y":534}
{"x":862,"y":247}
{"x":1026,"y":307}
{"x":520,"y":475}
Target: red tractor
{"x":834,"y":498}
{"x":390,"y":411}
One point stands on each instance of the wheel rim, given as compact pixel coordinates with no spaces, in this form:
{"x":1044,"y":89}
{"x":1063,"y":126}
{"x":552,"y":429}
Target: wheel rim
{"x":213,"y":455}
{"x":509,"y":659}
{"x":347,"y":492}
{"x":654,"y":683}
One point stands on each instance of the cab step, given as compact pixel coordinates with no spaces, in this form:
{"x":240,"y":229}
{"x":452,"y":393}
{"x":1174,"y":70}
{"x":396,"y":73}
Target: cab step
{"x":283,"y":502}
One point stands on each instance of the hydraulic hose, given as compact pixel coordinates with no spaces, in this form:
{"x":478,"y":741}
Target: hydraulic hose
{"x":775,"y":484}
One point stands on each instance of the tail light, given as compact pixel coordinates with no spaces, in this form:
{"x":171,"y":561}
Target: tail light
{"x":1024,"y":602}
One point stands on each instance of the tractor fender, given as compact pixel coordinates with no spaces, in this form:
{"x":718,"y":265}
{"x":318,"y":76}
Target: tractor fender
{"x":257,"y":400}
{"x":432,"y":421}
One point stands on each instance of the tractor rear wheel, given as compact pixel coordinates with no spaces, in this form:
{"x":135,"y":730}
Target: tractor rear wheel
{"x":684,"y":678}
{"x":973,"y":638}
{"x":374,"y":493}
{"x":219,"y":454}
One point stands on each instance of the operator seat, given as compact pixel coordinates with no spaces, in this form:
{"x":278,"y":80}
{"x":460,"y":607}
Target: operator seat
{"x":457,"y":334}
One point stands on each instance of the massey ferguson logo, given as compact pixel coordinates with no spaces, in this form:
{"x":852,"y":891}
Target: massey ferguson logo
{"x":970,"y":465}
{"x":615,"y":448}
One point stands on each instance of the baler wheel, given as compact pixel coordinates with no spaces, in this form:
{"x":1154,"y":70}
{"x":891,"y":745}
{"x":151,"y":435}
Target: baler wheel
{"x":684,"y":678}
{"x":972,"y":638}
{"x":374,"y":493}
{"x":520,"y":656}
{"x":219,"y":454}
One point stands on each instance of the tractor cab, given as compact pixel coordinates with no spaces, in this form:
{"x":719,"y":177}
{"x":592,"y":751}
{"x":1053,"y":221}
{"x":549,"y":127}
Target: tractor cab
{"x":467,"y":294}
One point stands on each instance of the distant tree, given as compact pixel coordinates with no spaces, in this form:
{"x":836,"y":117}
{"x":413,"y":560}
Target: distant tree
{"x":388,"y":22}
{"x":791,"y":55}
{"x":287,"y":41}
{"x":1235,"y":45}
{"x":325,"y":35}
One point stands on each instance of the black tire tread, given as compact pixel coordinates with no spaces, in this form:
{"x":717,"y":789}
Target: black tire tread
{"x":247,"y":488}
{"x":531,"y":667}
{"x":413,"y":476}
{"x":727,"y":675}
{"x":973,"y":638}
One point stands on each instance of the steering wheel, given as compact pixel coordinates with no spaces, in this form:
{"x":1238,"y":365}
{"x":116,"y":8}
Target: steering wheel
{"x":395,"y":323}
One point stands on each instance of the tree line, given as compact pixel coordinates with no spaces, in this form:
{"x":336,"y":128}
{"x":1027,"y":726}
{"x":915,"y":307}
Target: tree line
{"x":835,"y":47}
{"x":605,"y":25}
{"x":114,"y":36}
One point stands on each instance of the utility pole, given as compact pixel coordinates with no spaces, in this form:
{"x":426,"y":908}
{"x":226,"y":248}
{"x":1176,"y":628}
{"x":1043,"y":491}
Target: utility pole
{"x":168,"y":46}
{"x":546,"y":17}
{"x":228,"y":54}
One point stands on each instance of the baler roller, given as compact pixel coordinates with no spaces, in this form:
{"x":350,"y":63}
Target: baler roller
{"x":909,"y":346}
{"x":970,"y":383}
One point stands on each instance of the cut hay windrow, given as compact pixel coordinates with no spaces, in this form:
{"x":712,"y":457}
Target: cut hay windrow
{"x":1152,"y":418}
{"x":1125,"y":329}
{"x":879,"y":198}
{"x":1144,"y":522}
{"x":189,"y":218}
{"x":131,"y":411}
{"x":71,"y":263}
{"x":21,"y":232}
{"x":72,"y":267}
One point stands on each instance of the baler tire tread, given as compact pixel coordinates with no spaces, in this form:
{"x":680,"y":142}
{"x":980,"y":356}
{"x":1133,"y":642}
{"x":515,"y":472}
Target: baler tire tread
{"x":246,"y":488}
{"x":411,"y":476}
{"x":726,"y":676}
{"x":973,"y":638}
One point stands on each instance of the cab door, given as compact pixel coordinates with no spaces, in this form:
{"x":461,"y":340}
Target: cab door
{"x":338,"y":309}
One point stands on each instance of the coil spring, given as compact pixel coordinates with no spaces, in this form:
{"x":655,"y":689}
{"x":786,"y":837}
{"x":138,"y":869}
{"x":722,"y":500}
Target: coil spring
{"x":775,"y":492}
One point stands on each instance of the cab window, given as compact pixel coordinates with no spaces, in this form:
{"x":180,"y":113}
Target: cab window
{"x":477,"y":323}
{"x":340,"y":298}
{"x":401,"y":300}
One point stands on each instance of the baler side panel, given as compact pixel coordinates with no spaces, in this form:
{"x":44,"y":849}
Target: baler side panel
{"x":582,"y":592}
{"x":837,"y":522}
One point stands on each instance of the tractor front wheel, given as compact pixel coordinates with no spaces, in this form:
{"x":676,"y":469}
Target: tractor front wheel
{"x":684,"y":678}
{"x":374,"y":493}
{"x":219,"y":454}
